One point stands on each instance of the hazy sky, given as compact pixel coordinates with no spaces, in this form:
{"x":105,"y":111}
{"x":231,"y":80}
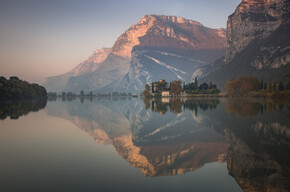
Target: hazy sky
{"x":40,"y":38}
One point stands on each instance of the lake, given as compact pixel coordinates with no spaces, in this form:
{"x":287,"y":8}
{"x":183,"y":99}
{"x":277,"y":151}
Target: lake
{"x":134,"y":144}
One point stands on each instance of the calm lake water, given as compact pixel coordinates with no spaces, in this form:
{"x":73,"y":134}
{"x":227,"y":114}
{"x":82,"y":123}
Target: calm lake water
{"x":130,"y":144}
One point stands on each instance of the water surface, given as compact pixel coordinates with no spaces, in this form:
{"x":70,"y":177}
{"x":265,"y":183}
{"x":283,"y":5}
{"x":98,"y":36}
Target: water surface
{"x":130,"y":144}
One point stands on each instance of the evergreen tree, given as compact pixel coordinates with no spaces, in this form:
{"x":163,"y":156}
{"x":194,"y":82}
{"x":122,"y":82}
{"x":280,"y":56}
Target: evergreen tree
{"x":195,"y":82}
{"x":262,"y":83}
{"x":281,"y":86}
{"x":210,"y":85}
{"x":288,"y":85}
{"x":265,"y":86}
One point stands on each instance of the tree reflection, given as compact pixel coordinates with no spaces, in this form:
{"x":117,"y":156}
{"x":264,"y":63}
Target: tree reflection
{"x":16,"y":109}
{"x":249,"y":107}
{"x":179,"y":105}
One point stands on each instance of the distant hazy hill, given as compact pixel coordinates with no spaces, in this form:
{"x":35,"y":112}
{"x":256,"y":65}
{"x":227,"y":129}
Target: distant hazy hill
{"x":258,"y":43}
{"x":157,"y":47}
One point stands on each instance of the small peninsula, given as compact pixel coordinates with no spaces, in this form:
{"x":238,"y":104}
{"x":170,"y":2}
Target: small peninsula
{"x":15,"y":88}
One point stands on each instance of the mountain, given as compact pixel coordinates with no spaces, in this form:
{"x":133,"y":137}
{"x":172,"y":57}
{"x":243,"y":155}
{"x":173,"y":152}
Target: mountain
{"x":58,"y":83}
{"x":258,"y":43}
{"x":156,"y":47}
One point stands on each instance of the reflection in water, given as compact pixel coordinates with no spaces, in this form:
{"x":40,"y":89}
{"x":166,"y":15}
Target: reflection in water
{"x":170,"y":137}
{"x":156,"y":143}
{"x":258,"y":149}
{"x":15,"y":109}
{"x":253,"y":107}
{"x":175,"y":105}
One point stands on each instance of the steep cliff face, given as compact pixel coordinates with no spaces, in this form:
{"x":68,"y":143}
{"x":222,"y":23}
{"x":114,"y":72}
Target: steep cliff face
{"x":258,"y":43}
{"x":156,"y":47}
{"x":252,"y":20}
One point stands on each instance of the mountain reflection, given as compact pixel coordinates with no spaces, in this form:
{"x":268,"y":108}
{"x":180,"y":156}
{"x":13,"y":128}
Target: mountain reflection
{"x":258,"y":149}
{"x":173,"y":136}
{"x":156,"y":143}
{"x":16,"y":109}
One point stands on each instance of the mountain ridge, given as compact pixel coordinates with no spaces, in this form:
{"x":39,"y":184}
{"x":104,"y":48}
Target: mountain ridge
{"x":133,"y":60}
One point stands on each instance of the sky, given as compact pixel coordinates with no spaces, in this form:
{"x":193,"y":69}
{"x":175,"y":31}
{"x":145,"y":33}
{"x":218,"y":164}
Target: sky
{"x":41,"y":38}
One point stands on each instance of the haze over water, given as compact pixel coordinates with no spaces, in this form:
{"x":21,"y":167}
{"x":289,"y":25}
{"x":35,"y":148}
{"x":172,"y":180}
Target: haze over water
{"x":130,"y":144}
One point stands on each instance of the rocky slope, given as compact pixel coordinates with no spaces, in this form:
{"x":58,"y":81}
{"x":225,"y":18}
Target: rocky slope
{"x":156,"y":47}
{"x":258,"y":43}
{"x":252,"y":20}
{"x":58,"y":83}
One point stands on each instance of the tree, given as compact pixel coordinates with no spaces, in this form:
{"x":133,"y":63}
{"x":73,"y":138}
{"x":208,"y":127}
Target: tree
{"x":147,"y":92}
{"x":242,"y":86}
{"x":232,"y":87}
{"x":288,"y":85}
{"x":210,"y":85}
{"x":248,"y":84}
{"x":15,"y":88}
{"x":281,"y":86}
{"x":195,"y":82}
{"x":82,"y":93}
{"x":270,"y":86}
{"x":274,"y":87}
{"x":176,"y":87}
{"x":262,"y":83}
{"x":203,"y":86}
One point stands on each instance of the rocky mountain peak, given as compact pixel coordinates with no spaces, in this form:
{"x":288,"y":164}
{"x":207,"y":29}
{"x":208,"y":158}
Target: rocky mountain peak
{"x":100,"y":55}
{"x":169,"y":19}
{"x":125,"y":43}
{"x":168,"y":31}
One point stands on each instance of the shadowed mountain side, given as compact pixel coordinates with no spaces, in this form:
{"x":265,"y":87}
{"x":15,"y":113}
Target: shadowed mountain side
{"x":245,"y":62}
{"x":257,"y":43}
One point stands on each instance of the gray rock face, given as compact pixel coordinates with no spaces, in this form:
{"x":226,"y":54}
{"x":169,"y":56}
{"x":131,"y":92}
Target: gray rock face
{"x":258,"y":44}
{"x":252,"y":20}
{"x":149,"y":65}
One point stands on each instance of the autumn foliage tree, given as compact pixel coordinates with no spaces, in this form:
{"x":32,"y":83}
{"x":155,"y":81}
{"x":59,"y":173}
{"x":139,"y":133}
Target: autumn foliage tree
{"x":242,"y":86}
{"x":175,"y":87}
{"x":146,"y":92}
